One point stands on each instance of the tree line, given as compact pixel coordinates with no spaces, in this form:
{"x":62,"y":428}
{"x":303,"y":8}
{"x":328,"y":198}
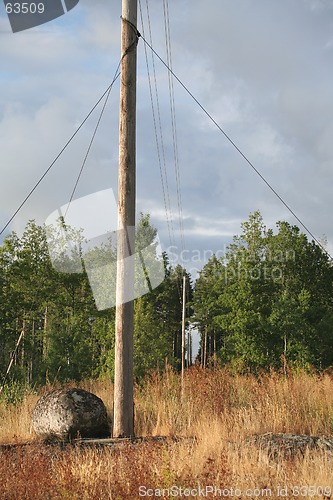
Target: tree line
{"x":266,"y":303}
{"x":63,"y":335}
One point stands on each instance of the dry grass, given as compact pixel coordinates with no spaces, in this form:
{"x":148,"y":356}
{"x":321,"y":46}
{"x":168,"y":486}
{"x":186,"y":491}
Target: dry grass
{"x":219,"y":409}
{"x":15,"y":421}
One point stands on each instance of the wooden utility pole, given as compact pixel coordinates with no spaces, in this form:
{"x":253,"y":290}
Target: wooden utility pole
{"x":123,"y":422}
{"x":183,"y":329}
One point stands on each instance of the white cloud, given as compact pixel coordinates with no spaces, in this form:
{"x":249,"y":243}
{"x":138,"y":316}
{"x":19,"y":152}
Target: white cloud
{"x":262,"y":69}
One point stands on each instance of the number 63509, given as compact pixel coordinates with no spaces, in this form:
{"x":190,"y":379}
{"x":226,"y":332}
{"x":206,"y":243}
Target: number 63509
{"x":25,"y":8}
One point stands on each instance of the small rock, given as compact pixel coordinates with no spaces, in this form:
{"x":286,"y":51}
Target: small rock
{"x":69,"y":413}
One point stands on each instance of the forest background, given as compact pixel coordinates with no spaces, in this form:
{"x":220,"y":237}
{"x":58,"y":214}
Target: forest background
{"x":266,"y":304}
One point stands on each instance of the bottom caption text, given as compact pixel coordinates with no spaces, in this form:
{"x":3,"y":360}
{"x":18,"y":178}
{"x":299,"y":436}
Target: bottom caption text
{"x":214,"y":491}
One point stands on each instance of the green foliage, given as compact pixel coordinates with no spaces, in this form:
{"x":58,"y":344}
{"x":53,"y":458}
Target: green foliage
{"x":64,"y":336}
{"x":267,"y":303}
{"x":269,"y":300}
{"x":14,"y":392}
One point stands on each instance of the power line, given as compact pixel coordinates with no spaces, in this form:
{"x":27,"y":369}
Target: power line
{"x":158,"y":130}
{"x":158,"y":137}
{"x":237,"y":148}
{"x":14,"y":353}
{"x":88,"y":151}
{"x":173,"y":120}
{"x":107,"y":91}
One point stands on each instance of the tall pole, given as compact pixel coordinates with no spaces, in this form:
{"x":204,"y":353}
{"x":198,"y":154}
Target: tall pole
{"x":123,"y":418}
{"x":183,"y":330}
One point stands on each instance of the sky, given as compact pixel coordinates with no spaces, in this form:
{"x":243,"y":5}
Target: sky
{"x":263,"y":70}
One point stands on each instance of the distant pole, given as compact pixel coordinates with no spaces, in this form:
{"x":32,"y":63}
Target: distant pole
{"x":183,"y":330}
{"x":189,"y":350}
{"x":123,"y":421}
{"x":190,"y":340}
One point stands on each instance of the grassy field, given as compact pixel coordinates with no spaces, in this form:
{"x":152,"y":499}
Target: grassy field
{"x":219,"y":409}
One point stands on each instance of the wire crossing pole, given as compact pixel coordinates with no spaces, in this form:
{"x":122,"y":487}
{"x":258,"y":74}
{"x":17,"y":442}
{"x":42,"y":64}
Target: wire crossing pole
{"x":123,"y":418}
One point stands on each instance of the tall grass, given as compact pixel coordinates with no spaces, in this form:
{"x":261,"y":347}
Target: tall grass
{"x":244,"y":405}
{"x":219,"y":409}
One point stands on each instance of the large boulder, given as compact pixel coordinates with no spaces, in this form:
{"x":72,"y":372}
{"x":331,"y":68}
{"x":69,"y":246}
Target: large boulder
{"x":68,"y":413}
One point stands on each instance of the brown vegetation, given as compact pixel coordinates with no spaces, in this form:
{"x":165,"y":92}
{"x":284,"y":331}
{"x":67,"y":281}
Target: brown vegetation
{"x":219,"y":409}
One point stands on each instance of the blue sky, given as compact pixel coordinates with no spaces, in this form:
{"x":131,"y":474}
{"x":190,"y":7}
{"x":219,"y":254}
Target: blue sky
{"x":262,"y":68}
